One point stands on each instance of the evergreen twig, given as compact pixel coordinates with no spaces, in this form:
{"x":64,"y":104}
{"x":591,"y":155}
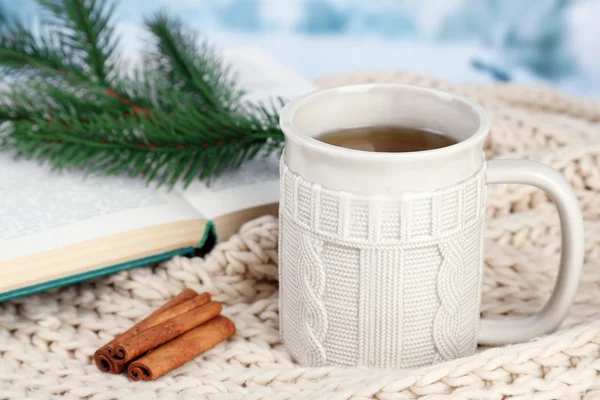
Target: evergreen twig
{"x":22,"y":53}
{"x":179,"y":119}
{"x":85,"y":27}
{"x":187,"y":65}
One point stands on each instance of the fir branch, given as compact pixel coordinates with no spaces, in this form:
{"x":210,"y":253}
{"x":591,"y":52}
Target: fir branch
{"x":179,"y":120}
{"x":187,"y":65}
{"x":85,"y":26}
{"x":174,"y":146}
{"x":34,"y":56}
{"x":55,"y":55}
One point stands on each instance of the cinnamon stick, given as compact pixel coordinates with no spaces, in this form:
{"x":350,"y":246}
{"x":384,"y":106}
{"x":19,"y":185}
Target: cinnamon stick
{"x":165,"y":331}
{"x":103,"y":356}
{"x":156,"y":319}
{"x":181,"y":350}
{"x":105,"y":363}
{"x":182,"y":297}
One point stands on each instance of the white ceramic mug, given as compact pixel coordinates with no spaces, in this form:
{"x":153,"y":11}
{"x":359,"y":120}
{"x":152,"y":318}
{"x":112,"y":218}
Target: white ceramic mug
{"x":381,"y":253}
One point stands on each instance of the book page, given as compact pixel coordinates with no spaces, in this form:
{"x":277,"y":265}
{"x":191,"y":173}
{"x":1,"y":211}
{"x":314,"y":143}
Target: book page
{"x":256,"y":183}
{"x":42,"y":210}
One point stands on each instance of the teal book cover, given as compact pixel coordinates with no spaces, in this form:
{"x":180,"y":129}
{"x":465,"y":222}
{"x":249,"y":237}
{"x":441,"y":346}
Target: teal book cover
{"x":203,"y":247}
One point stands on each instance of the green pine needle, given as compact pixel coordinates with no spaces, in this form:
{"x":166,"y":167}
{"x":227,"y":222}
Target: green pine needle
{"x":187,"y":65}
{"x":85,"y":27}
{"x":179,"y":119}
{"x":33,"y":56}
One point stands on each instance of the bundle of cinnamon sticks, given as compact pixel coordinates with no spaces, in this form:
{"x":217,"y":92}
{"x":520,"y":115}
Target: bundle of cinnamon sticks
{"x":184,"y":327}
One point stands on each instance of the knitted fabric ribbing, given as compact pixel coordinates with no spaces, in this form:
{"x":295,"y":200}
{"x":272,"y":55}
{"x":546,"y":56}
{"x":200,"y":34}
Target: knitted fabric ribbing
{"x":47,"y":340}
{"x":380,"y":281}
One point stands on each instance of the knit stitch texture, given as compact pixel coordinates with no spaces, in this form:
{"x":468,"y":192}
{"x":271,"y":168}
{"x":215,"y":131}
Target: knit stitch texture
{"x":380,"y":281}
{"x":47,"y":340}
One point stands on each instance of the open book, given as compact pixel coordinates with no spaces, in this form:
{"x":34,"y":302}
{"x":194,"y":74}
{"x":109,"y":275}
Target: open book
{"x":60,"y":228}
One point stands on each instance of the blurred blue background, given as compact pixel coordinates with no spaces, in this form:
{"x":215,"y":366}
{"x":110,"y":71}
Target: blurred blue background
{"x":540,"y":42}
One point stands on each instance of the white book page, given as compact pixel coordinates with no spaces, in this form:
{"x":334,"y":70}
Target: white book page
{"x":42,"y":210}
{"x":256,"y":183}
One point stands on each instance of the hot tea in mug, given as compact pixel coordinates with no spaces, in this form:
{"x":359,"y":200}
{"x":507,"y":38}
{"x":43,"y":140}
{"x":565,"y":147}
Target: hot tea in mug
{"x":387,"y":139}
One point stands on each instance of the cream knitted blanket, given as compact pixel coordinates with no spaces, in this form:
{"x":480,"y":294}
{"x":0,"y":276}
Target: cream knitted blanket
{"x":47,"y":340}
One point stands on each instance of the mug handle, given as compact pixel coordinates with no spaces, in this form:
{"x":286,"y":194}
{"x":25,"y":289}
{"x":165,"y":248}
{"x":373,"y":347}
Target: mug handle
{"x":511,"y":330}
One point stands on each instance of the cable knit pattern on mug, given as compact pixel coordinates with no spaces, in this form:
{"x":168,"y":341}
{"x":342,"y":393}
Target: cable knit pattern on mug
{"x":454,"y":327}
{"x":312,"y":284}
{"x":400,"y":275}
{"x":47,"y":340}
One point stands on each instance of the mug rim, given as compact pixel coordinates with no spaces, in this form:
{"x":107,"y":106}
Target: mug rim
{"x":289,"y":110}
